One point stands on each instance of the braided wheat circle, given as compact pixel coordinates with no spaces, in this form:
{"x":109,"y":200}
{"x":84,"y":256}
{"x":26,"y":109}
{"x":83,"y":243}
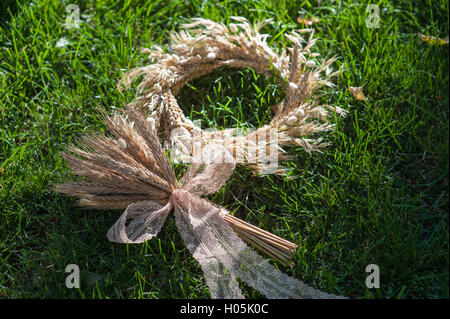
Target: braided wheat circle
{"x":205,"y":46}
{"x":129,"y":169}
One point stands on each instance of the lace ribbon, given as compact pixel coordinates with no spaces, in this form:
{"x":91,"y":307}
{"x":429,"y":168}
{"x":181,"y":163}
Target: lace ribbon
{"x":222,"y":255}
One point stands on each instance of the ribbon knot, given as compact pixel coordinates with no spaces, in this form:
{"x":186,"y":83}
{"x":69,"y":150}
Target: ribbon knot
{"x":208,"y":172}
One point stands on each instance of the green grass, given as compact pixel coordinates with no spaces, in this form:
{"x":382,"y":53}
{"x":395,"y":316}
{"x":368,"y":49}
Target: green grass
{"x":377,"y":195}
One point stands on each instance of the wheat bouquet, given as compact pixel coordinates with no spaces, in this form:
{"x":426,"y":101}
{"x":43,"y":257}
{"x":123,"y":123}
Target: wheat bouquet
{"x":129,"y":170}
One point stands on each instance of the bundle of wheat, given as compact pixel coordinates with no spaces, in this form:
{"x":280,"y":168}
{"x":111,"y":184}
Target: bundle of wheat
{"x":204,"y":46}
{"x":130,"y":170}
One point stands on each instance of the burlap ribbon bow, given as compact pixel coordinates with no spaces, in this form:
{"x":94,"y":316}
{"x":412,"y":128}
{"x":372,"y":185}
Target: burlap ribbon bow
{"x":133,"y":167}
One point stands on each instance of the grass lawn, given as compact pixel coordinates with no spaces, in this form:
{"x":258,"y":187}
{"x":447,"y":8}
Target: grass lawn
{"x":377,"y":195}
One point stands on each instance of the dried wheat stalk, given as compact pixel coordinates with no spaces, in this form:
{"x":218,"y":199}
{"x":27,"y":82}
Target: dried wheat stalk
{"x":131,"y":171}
{"x":204,"y":46}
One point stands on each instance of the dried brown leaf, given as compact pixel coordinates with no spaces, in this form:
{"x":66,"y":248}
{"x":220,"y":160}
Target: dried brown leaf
{"x":432,"y":40}
{"x":357,"y":93}
{"x":307,"y":21}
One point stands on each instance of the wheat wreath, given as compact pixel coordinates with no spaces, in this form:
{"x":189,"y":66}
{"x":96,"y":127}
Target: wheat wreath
{"x":130,"y":170}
